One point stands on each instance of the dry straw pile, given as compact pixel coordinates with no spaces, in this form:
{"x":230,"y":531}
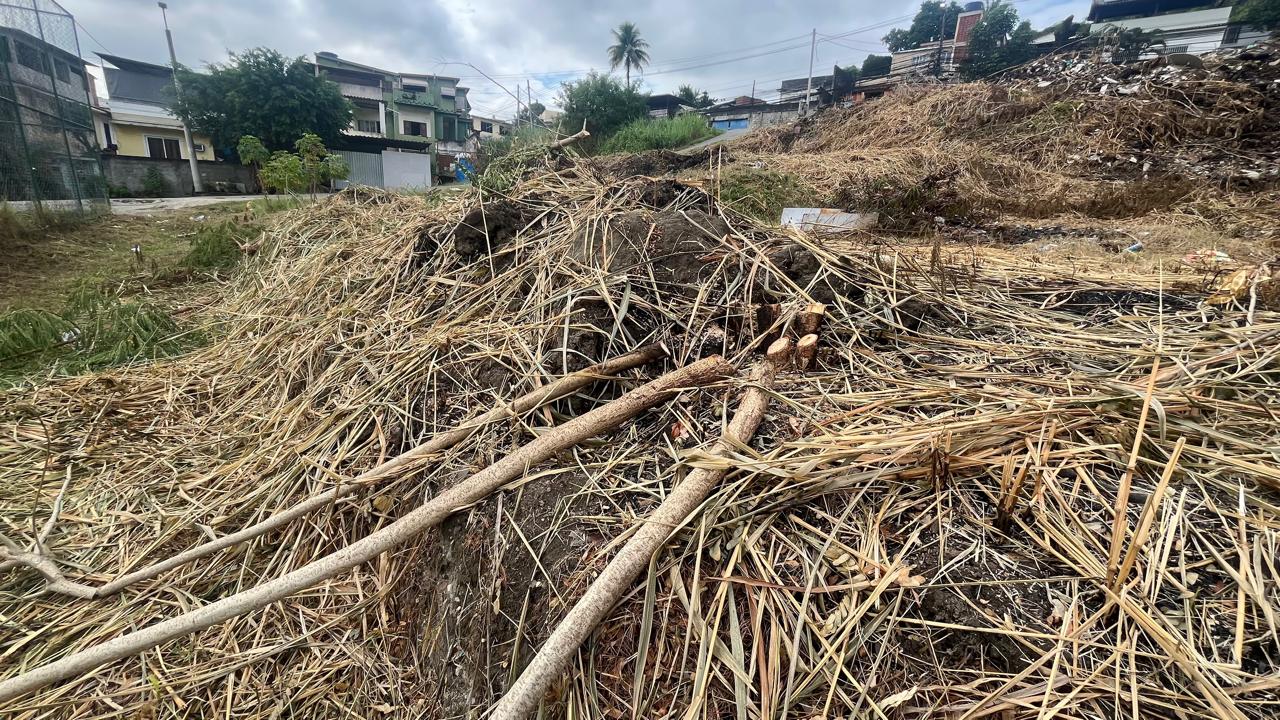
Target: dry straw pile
{"x":1192,"y":147}
{"x":1006,"y":488}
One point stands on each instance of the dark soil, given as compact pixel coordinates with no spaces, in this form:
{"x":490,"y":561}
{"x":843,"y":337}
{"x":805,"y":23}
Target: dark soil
{"x":652,"y":163}
{"x":489,"y":226}
{"x":479,"y":600}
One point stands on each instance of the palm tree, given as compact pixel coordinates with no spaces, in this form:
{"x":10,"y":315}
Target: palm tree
{"x":628,"y":49}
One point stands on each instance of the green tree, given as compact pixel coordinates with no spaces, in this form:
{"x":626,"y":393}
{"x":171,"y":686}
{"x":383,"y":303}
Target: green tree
{"x":254,"y":154}
{"x":998,"y":41}
{"x":262,"y":93}
{"x":1262,"y":14}
{"x":318,"y":164}
{"x":876,"y":65}
{"x":694,"y":98}
{"x":628,"y":49}
{"x":601,"y":102}
{"x":933,"y":19}
{"x":531,"y":114}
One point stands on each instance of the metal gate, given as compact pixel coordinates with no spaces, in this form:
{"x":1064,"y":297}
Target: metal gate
{"x":366,"y":168}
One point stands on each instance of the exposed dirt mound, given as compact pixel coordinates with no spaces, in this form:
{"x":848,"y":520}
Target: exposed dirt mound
{"x":651,"y":163}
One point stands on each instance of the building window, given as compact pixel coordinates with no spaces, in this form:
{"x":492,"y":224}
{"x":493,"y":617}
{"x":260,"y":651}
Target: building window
{"x":369,"y":126}
{"x":415,"y":88}
{"x":61,"y":72}
{"x":28,"y":56}
{"x":1232,"y":34}
{"x":106,"y":135}
{"x":164,"y":148}
{"x":4,"y":49}
{"x":486,"y":127}
{"x":415,"y":128}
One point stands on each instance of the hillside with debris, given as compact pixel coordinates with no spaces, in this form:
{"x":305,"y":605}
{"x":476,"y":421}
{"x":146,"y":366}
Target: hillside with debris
{"x":1018,"y":457}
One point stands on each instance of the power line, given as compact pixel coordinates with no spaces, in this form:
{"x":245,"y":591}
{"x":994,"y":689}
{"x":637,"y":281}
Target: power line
{"x":91,"y":37}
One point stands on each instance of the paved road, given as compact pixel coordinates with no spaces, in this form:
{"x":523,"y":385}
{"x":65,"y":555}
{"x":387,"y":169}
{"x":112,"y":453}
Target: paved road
{"x":723,"y":137}
{"x":152,"y":206}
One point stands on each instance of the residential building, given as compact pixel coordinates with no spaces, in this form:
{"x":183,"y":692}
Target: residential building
{"x":134,"y":119}
{"x":823,"y":90}
{"x":489,"y":128}
{"x":667,"y":106}
{"x":404,"y":114}
{"x":746,"y":112}
{"x":941,"y":56}
{"x":48,"y":153}
{"x":1185,"y":26}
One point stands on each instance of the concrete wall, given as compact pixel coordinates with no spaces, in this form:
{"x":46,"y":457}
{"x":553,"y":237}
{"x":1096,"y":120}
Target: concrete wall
{"x":131,"y":171}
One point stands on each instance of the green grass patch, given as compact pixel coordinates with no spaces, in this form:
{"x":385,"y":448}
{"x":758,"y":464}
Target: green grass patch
{"x":658,"y":134}
{"x":15,"y":225}
{"x":763,"y":194}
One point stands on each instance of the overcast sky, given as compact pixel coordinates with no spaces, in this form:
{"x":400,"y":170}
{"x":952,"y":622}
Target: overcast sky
{"x":706,"y":43}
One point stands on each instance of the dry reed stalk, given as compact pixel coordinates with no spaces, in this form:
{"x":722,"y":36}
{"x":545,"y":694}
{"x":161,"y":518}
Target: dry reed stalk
{"x":599,"y":420}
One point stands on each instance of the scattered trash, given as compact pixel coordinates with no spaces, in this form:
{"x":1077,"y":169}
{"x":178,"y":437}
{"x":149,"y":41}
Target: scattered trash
{"x":1135,"y":248}
{"x":827,"y":220}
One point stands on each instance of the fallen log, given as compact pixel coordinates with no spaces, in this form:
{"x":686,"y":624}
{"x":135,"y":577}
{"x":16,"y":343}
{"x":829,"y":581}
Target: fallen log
{"x":527,"y":691}
{"x":473,"y":489}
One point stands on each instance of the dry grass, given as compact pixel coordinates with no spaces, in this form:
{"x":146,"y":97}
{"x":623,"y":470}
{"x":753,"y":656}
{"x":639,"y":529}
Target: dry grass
{"x":974,"y":151}
{"x":923,"y":526}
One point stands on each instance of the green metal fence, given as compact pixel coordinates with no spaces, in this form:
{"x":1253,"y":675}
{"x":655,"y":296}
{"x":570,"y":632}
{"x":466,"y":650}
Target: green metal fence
{"x":49,"y":155}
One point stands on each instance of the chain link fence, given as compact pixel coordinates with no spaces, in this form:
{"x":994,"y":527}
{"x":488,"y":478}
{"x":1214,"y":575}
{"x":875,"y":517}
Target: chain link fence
{"x":49,"y":154}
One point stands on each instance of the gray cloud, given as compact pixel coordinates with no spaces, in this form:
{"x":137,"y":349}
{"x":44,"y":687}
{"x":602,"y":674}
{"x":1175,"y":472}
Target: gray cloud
{"x":522,"y":40}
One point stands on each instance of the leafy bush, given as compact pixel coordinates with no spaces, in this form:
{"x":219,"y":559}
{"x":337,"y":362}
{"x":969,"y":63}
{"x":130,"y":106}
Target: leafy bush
{"x":118,"y":191}
{"x":283,"y":172}
{"x":502,"y":161}
{"x":154,"y":184}
{"x":659,"y":134}
{"x":312,"y":166}
{"x":217,"y":246}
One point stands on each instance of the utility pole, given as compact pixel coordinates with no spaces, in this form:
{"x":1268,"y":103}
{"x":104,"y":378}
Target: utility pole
{"x":753,"y":92}
{"x":942,"y":33}
{"x":517,"y":107}
{"x":528,"y":96}
{"x":196,"y":185}
{"x":808,"y":86}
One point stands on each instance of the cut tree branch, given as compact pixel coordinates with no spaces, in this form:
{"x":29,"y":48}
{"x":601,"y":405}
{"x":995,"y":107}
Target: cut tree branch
{"x":473,"y":489}
{"x":554,"y":390}
{"x":633,"y":558}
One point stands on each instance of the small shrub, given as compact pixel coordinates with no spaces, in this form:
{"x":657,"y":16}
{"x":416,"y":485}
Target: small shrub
{"x":763,"y":194}
{"x":659,"y":134}
{"x":118,"y":191}
{"x":154,"y":184}
{"x":217,"y":246}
